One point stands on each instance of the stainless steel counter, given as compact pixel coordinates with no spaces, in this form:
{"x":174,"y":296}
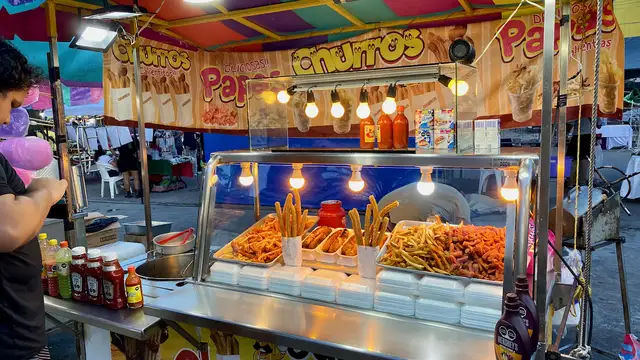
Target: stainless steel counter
{"x":132,"y":323}
{"x":312,"y":326}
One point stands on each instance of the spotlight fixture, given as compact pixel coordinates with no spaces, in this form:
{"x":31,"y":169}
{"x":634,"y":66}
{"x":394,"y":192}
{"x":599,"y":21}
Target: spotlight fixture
{"x":363,"y":111}
{"x":95,"y":36}
{"x":462,"y":51}
{"x":117,"y":12}
{"x":389,"y":104}
{"x":285,"y":95}
{"x":337,"y":110}
{"x":311,"y":109}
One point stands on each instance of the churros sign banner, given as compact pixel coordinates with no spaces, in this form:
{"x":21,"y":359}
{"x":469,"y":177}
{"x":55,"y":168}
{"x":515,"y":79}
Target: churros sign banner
{"x":209,"y":90}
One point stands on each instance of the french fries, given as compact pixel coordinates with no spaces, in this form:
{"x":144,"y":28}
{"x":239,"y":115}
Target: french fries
{"x":375,"y":223}
{"x":292,"y":219}
{"x":463,"y":250}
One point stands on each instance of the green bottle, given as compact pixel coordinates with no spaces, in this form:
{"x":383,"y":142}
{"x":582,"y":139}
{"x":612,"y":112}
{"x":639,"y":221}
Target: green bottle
{"x":63,"y":264}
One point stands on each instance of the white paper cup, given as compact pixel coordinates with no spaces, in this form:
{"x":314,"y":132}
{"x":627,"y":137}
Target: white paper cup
{"x":367,"y":261}
{"x":292,"y":251}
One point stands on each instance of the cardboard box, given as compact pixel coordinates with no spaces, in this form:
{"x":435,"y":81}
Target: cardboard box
{"x":140,"y":239}
{"x":487,"y":136}
{"x":105,"y":236}
{"x":464,"y":135}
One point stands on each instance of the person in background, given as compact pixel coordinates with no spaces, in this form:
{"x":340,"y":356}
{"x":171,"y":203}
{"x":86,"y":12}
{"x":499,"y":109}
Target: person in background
{"x":572,"y":151}
{"x":102,"y":158}
{"x":190,"y":143}
{"x":128,"y":165}
{"x":445,"y":201}
{"x":177,"y":139}
{"x":22,"y":214}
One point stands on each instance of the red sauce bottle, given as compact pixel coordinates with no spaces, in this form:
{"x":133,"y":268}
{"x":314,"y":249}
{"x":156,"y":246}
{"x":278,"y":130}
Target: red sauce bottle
{"x":511,"y":336}
{"x":400,"y":130}
{"x":134,"y":289}
{"x":332,"y":214}
{"x":79,"y":274}
{"x":385,"y":132}
{"x":113,"y":282}
{"x":94,"y":277}
{"x":367,"y":133}
{"x":528,"y":310}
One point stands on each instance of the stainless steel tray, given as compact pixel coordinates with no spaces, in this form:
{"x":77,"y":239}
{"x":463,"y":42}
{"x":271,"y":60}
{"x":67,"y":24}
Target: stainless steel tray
{"x":405,"y":224}
{"x":228,"y":250}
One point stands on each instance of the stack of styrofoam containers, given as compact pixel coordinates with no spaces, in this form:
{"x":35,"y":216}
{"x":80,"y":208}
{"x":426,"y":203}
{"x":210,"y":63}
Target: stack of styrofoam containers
{"x":322,"y":285}
{"x":288,"y":279}
{"x":396,"y":292}
{"x":356,"y":291}
{"x":440,"y":299}
{"x":255,"y":277}
{"x":226,"y":273}
{"x":482,"y":308}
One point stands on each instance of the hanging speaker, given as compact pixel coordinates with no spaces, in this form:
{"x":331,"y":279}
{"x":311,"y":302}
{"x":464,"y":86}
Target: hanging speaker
{"x":462,"y":51}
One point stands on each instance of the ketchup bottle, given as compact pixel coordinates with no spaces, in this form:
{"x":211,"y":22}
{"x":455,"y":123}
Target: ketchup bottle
{"x":367,"y":133}
{"x":385,"y":132}
{"x":113,"y":282}
{"x":94,"y":277}
{"x":134,"y":289}
{"x":400,"y":130}
{"x":332,"y":214}
{"x":79,"y":274}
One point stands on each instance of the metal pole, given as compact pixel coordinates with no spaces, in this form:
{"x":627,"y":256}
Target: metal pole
{"x":509,"y":250}
{"x":256,"y":190}
{"x":57,"y":105}
{"x":544,"y":174}
{"x":143,"y":141}
{"x":203,"y":238}
{"x":525,"y":176}
{"x":584,"y":319}
{"x":563,"y":56}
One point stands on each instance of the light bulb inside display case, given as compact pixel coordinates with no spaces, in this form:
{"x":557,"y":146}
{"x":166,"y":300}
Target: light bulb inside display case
{"x":285,"y":95}
{"x":296,"y":180}
{"x":462,"y":87}
{"x":509,"y":190}
{"x":246,"y":179}
{"x":311,"y":109}
{"x":363,"y":111}
{"x":356,"y":183}
{"x":426,"y":185}
{"x":389,"y":104}
{"x":337,"y":110}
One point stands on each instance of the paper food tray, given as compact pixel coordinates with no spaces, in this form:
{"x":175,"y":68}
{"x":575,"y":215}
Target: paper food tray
{"x":329,"y":258}
{"x":408,"y":223}
{"x":227,"y":250}
{"x":310,"y":254}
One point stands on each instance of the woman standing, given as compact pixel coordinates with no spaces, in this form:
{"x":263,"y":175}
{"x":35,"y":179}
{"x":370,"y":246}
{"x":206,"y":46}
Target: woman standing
{"x":128,"y":166}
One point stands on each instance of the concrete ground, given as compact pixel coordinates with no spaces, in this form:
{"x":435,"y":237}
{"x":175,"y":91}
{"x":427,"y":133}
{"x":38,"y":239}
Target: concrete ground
{"x":181,"y":208}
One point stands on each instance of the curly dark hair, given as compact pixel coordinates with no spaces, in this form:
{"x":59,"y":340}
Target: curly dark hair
{"x":15,"y":71}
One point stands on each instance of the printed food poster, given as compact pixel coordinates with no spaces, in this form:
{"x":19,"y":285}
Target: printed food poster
{"x":209,"y":90}
{"x":169,"y":345}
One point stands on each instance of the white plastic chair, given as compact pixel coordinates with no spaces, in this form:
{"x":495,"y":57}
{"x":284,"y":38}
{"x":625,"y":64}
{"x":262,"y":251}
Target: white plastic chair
{"x":106,"y":178}
{"x":484,"y":179}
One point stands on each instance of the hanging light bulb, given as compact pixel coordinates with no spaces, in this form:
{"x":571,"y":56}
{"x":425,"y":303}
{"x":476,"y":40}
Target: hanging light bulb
{"x":458,"y":87}
{"x":509,"y":190}
{"x":311,"y":109}
{"x":363,"y":110}
{"x":337,"y":110}
{"x":356,"y":183}
{"x":246,"y":179}
{"x":389,"y":104}
{"x":285,"y":95}
{"x":296,"y":180}
{"x":426,"y":185}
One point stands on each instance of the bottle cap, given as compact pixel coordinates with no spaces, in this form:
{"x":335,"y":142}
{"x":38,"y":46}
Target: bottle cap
{"x":522,"y":284}
{"x":400,"y":108}
{"x":109,"y":256}
{"x":93,"y":253}
{"x":78,"y":250}
{"x":64,"y":244}
{"x":131,"y":269}
{"x":53,"y":242}
{"x":42,"y":236}
{"x":511,"y":302}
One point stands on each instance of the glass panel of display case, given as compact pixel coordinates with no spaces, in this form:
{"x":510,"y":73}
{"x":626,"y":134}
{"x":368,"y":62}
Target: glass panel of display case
{"x":269,"y":106}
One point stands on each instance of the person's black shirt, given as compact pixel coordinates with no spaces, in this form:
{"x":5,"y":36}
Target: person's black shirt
{"x":22,"y":331}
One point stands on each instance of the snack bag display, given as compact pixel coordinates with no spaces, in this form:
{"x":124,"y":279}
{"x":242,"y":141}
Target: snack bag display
{"x":424,"y":128}
{"x":444,"y":136}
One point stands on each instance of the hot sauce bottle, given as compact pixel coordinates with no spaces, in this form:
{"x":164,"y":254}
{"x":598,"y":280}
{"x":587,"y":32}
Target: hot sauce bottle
{"x":79,"y":274}
{"x":94,"y":277}
{"x":511,"y":336}
{"x":385,"y":132}
{"x":113,"y":282}
{"x":400,"y":130}
{"x":367,"y":133}
{"x":134,"y":289}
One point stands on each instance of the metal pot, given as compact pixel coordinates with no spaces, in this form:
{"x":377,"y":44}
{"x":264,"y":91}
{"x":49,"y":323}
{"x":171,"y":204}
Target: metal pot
{"x":174,"y":247}
{"x":167,"y":268}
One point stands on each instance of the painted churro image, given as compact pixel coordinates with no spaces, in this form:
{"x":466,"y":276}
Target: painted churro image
{"x":120,"y":94}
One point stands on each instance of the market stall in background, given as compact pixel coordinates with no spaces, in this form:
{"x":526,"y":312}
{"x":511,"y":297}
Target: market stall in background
{"x":334,"y":231}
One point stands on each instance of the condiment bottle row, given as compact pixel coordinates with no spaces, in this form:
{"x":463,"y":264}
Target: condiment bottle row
{"x":389,"y":134}
{"x":93,"y":277}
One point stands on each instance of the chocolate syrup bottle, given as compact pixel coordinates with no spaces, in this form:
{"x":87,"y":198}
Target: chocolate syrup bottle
{"x":511,"y":337}
{"x":528,"y":310}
